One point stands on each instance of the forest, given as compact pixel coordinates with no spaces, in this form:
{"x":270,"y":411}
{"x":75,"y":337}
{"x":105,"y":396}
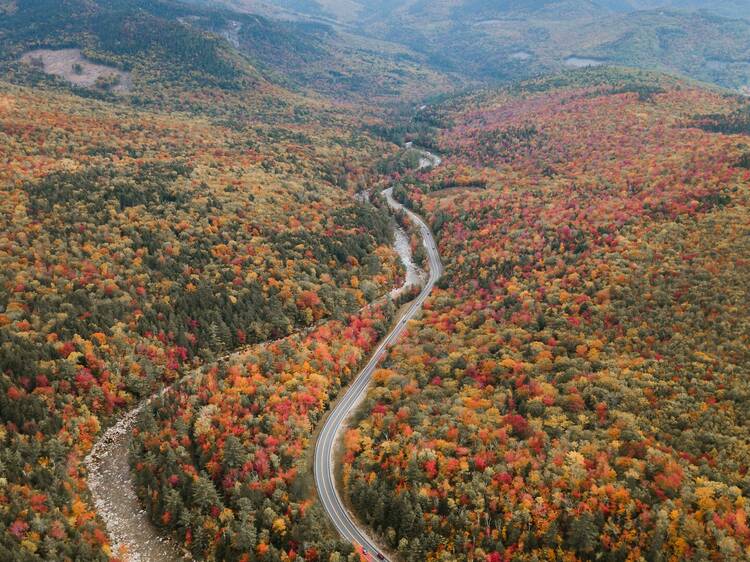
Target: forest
{"x":212,"y":239}
{"x":184,"y":54}
{"x":137,"y":246}
{"x":576,"y":388}
{"x":223,"y":460}
{"x":126,"y":34}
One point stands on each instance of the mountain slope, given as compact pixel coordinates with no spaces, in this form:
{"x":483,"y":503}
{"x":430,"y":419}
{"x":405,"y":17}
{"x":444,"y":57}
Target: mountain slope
{"x":149,"y":48}
{"x":576,"y":387}
{"x":507,"y":40}
{"x":137,"y":244}
{"x":148,"y":231}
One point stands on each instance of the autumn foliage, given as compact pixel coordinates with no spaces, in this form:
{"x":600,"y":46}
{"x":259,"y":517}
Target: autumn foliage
{"x":576,"y":388}
{"x":138,"y":245}
{"x":222,"y":459}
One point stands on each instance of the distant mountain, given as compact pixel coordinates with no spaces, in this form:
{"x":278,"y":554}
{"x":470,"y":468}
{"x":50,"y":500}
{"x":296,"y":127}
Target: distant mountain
{"x":489,"y":39}
{"x":359,"y":10}
{"x":206,"y":44}
{"x":729,"y":8}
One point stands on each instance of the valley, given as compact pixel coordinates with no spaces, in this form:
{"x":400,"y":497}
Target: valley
{"x":335,"y":281}
{"x":109,"y":476}
{"x":336,"y":422}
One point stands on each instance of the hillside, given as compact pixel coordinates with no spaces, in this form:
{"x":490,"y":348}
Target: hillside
{"x":163,"y":53}
{"x":522,"y":38}
{"x":148,"y":230}
{"x":577,"y":385}
{"x":313,"y":56}
{"x":136,"y":245}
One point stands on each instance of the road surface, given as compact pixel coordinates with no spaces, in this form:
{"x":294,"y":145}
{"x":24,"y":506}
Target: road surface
{"x":328,"y":439}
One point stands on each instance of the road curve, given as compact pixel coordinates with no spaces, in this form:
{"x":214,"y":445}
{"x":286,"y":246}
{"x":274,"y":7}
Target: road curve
{"x":111,"y":481}
{"x":325,"y":447}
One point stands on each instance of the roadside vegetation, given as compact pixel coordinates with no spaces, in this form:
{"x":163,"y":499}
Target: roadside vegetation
{"x":576,"y":387}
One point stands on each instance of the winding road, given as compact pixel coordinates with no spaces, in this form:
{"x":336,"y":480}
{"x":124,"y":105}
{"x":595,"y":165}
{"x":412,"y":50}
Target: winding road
{"x":325,"y":479}
{"x":111,"y":482}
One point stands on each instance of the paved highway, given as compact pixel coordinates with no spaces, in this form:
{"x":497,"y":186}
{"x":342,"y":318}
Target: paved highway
{"x":336,"y":421}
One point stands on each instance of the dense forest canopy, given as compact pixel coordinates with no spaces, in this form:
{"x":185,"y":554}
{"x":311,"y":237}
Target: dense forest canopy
{"x":190,"y":212}
{"x":577,"y":385}
{"x":137,"y":245}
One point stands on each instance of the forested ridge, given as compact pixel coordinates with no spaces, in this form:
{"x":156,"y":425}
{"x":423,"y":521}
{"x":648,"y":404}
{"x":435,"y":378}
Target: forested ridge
{"x":180,"y":54}
{"x":137,"y":245}
{"x":511,"y":40}
{"x":576,"y":389}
